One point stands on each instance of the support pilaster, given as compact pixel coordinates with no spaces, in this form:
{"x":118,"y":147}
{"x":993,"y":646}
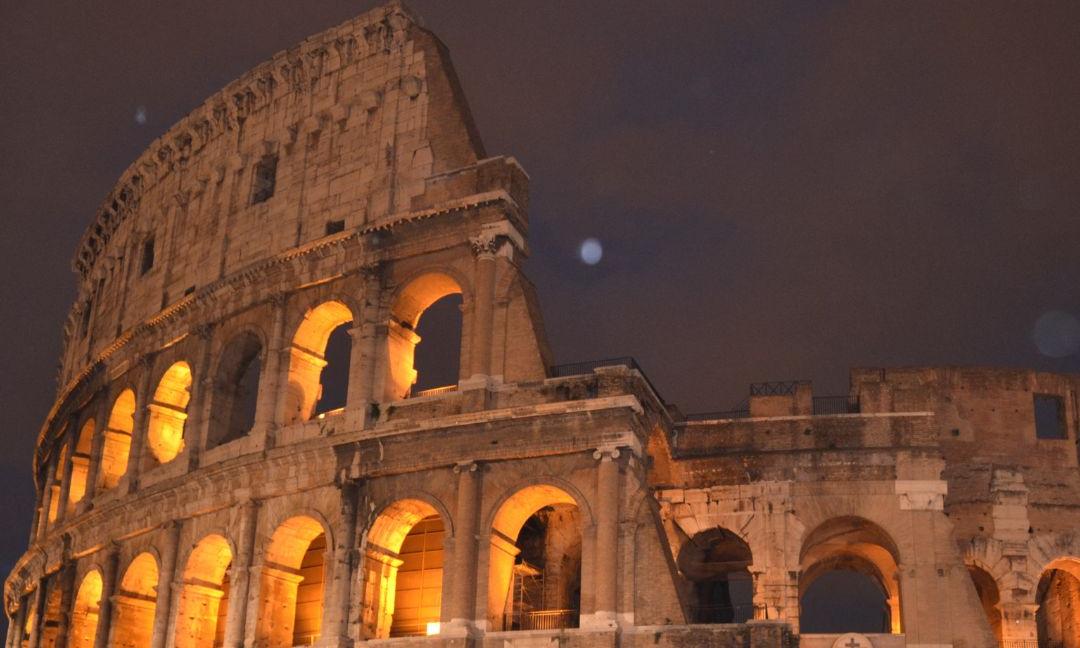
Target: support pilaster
{"x":462,"y":609}
{"x":336,"y":612}
{"x":166,"y":576}
{"x":108,"y":590}
{"x":240,"y":576}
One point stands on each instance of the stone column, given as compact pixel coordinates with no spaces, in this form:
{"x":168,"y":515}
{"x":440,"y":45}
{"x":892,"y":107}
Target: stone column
{"x":101,"y":426}
{"x":166,"y":576}
{"x":139,"y":425}
{"x":202,"y":385}
{"x":484,"y":246}
{"x":270,"y":392}
{"x":19,"y":622}
{"x":108,"y":590}
{"x":240,"y":580}
{"x":46,"y":499}
{"x":67,"y":596}
{"x":66,"y":470}
{"x":462,"y":609}
{"x":39,"y":613}
{"x":606,"y":561}
{"x":336,"y":611}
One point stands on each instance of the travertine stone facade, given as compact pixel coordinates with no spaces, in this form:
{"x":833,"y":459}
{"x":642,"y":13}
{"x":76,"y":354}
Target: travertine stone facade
{"x":198,"y":488}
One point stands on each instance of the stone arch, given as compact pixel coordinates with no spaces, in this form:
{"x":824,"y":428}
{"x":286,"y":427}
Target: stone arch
{"x":415,"y":296}
{"x":54,"y":498}
{"x":117,"y":443}
{"x":307,"y":357}
{"x":85,"y":610}
{"x":855,"y":545}
{"x":168,"y":413}
{"x":80,"y":463}
{"x":202,"y":605}
{"x":717,"y":563}
{"x":136,"y":603}
{"x":403,"y":570}
{"x":292,"y":583}
{"x":237,"y":377}
{"x":989,"y":594}
{"x":542,"y":522}
{"x":1058,"y":597}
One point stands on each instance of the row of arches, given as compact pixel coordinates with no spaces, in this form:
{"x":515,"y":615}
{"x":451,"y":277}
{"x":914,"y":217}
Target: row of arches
{"x":317,"y":361}
{"x":534,"y":579}
{"x":847,"y":579}
{"x":1057,"y":596}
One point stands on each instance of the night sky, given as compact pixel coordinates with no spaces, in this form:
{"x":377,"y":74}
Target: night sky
{"x":781,"y":190}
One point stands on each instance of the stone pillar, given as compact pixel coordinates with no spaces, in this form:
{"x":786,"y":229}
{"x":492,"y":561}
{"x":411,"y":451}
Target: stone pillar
{"x":108,"y":590}
{"x":266,"y":408}
{"x":101,"y":425}
{"x":66,"y":470}
{"x":240,"y":580}
{"x":364,"y":365}
{"x":202,"y":385}
{"x":462,"y":609}
{"x":67,"y":596}
{"x":19,"y":623}
{"x":484,"y":246}
{"x":606,"y":563}
{"x":166,"y":576}
{"x":139,"y":425}
{"x":336,"y":611}
{"x":46,"y":499}
{"x":39,"y":613}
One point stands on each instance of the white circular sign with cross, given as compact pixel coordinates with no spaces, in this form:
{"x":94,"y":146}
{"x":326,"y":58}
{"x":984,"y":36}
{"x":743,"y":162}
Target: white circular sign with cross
{"x":852,"y":640}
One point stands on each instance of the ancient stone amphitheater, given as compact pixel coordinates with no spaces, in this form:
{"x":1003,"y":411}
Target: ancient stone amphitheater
{"x":201,"y":483}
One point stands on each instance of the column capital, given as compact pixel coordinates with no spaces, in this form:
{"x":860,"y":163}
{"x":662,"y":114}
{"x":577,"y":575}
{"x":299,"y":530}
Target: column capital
{"x":607,"y":454}
{"x":466,"y":467}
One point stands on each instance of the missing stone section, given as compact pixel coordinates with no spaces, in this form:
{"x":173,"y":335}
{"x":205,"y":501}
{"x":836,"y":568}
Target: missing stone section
{"x":147,"y":256}
{"x":334,"y":226}
{"x":265,"y":178}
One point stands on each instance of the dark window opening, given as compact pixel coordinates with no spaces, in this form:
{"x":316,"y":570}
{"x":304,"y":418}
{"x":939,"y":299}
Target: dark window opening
{"x":545,"y":586}
{"x":262,"y":187}
{"x":438,"y":355}
{"x":717,"y":562}
{"x":236,"y":391}
{"x":84,"y":323}
{"x":844,"y":600}
{"x":147,"y":256}
{"x":1049,"y":417}
{"x":334,"y":226}
{"x":334,"y":380}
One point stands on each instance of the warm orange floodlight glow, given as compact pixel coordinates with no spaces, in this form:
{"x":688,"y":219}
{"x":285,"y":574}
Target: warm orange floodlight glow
{"x":168,"y":412}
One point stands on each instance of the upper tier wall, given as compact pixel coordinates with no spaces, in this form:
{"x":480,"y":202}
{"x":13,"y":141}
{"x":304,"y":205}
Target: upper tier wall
{"x":356,"y":118}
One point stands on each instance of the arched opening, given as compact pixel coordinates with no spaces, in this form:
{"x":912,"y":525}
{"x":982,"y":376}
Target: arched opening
{"x":717,"y":563}
{"x":403,"y":572}
{"x":117,"y":446}
{"x":57,"y":487}
{"x":202,"y":607}
{"x":136,"y":601}
{"x":84,"y":613}
{"x":989,"y":597}
{"x":403,"y":338}
{"x":80,"y":464}
{"x":849,"y":579}
{"x":168,"y":412}
{"x":1058,"y":597}
{"x":319,"y":362}
{"x":534,"y":579}
{"x":236,"y":390}
{"x":291,"y":592}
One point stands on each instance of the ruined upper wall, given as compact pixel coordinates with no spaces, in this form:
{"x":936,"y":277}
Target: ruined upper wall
{"x":363,"y":121}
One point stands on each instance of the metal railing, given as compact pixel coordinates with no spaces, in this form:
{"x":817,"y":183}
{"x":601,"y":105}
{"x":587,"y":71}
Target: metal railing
{"x":1020,"y":643}
{"x":434,"y":391}
{"x":782,"y":388}
{"x":722,"y":613}
{"x":541,"y":620}
{"x":836,"y":405}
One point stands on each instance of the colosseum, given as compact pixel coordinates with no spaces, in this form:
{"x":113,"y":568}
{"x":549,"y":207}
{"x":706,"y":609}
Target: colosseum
{"x":240,"y":452}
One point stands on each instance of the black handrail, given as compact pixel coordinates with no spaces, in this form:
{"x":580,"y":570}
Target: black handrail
{"x":587,"y":367}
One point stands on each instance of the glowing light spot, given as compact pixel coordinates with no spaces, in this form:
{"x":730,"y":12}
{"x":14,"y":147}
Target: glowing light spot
{"x":433,"y":628}
{"x":1057,"y":334}
{"x":140,"y":115}
{"x":591,"y":251}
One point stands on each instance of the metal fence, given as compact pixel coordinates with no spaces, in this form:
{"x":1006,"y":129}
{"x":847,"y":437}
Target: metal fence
{"x":541,"y":620}
{"x":783,"y":388}
{"x":585,"y":368}
{"x":1020,"y":643}
{"x":836,"y":405}
{"x":434,"y":391}
{"x":726,"y":414}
